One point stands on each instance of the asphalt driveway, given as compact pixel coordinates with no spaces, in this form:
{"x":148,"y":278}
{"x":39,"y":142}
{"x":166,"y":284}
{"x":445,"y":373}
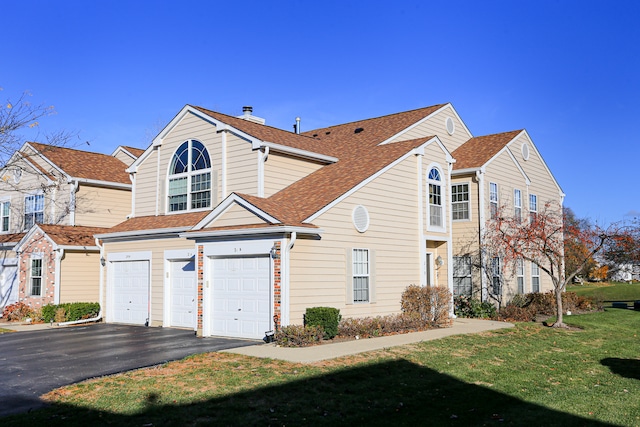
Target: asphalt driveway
{"x":33,"y":363}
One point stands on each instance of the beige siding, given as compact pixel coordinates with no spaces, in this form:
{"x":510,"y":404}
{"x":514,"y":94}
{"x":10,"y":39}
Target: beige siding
{"x":319,"y":267}
{"x":157,"y":247}
{"x":80,"y":277}
{"x":435,"y":125}
{"x":146,"y":186}
{"x":236,"y":215}
{"x":102,"y":207}
{"x":124,"y":157}
{"x":282,"y":170}
{"x":242,"y":166}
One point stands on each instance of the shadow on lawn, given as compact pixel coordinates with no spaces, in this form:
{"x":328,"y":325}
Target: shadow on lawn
{"x":628,"y":368}
{"x":390,"y":393}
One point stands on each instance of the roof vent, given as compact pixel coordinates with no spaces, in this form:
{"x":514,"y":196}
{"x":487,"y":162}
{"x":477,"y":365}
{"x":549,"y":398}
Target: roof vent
{"x":360,"y":218}
{"x":296,"y":127}
{"x":451,"y":126}
{"x":358,"y":130}
{"x":247,"y":114}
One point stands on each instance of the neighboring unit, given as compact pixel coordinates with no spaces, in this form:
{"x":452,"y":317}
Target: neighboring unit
{"x":53,"y":200}
{"x":237,"y":227}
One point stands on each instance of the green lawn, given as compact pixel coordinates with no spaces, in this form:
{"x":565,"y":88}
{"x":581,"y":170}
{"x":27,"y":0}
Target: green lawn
{"x":528,"y":375}
{"x":614,"y":291}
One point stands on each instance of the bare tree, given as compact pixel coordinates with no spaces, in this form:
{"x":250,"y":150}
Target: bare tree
{"x":542,"y":241}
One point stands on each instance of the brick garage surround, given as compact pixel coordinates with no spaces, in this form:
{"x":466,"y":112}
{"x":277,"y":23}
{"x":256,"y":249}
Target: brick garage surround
{"x":277,"y":287}
{"x":39,"y":245}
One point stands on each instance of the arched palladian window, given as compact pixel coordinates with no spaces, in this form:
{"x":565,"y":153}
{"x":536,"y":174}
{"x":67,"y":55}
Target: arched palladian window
{"x":435,"y":198}
{"x":190,"y":177}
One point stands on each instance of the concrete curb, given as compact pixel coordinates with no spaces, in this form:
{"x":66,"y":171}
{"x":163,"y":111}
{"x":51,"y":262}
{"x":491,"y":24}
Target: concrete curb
{"x":330,"y":351}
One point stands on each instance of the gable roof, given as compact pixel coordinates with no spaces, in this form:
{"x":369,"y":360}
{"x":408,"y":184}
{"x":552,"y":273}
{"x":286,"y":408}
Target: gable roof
{"x":477,"y":151}
{"x":82,"y":164}
{"x":135,"y":151}
{"x":69,"y":236}
{"x":163,"y":222}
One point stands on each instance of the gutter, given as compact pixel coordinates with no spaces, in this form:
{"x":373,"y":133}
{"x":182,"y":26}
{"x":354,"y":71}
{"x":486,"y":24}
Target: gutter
{"x":100,"y":301}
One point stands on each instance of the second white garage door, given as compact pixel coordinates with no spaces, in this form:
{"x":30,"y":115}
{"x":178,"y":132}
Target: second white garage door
{"x":130,"y":292}
{"x":241,"y":297}
{"x":183,"y":294}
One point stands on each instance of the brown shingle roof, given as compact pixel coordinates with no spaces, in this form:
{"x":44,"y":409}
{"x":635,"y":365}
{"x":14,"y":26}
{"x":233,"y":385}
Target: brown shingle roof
{"x":159,"y":222}
{"x":85,"y":164}
{"x":11,"y":238}
{"x":135,"y":151}
{"x":348,"y":137}
{"x":68,"y":235}
{"x":479,"y":150}
{"x":307,"y":196}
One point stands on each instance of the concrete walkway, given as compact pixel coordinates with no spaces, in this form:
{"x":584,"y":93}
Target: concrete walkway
{"x":330,"y":351}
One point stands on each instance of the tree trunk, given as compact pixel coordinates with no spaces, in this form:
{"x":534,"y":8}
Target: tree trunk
{"x":559,"y":321}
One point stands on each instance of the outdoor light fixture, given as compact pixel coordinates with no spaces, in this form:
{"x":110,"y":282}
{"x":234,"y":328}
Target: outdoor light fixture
{"x":439,"y":260}
{"x":103,"y":262}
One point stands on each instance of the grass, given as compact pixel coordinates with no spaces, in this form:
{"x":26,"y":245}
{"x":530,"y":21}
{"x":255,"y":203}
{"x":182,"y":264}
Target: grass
{"x":5,"y":331}
{"x":527,"y":375}
{"x":614,"y":291}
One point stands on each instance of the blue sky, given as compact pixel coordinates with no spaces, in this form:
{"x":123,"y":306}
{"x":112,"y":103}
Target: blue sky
{"x":567,"y":71}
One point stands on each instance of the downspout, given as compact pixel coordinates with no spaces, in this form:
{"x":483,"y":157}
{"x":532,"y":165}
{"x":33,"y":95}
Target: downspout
{"x":284,"y":303}
{"x":421,"y":240}
{"x":132,"y":178}
{"x":481,"y":228}
{"x":72,"y":201}
{"x":158,"y":182}
{"x":223,"y":167}
{"x":100,"y":299}
{"x":56,"y":280}
{"x":262,"y":159}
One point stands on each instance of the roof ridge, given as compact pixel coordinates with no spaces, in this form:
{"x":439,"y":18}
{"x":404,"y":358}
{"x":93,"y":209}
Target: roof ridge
{"x":58,"y":147}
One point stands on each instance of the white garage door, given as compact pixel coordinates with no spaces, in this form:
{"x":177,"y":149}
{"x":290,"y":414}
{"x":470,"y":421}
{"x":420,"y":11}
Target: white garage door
{"x":241,"y":297}
{"x":131,"y":292}
{"x":183,"y":294}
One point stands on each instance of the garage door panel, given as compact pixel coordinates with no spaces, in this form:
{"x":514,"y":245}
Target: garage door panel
{"x":131,"y":291}
{"x":241,"y":297}
{"x":183,"y":293}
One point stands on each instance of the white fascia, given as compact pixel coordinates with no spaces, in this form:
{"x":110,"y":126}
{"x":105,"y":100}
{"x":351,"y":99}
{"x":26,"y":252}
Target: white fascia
{"x":125,"y":151}
{"x":416,"y":151}
{"x":276,"y":230}
{"x":300,"y":153}
{"x":419,"y":122}
{"x":525,"y":133}
{"x":100,"y":183}
{"x":510,"y":154}
{"x":30,"y":234}
{"x":31,"y":165}
{"x":227,"y":203}
{"x":155,"y":233}
{"x":49,"y":162}
{"x":465,"y":171}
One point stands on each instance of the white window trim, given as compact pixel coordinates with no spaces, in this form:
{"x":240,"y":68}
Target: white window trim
{"x":468,"y":202}
{"x":44,"y":218}
{"x":517,"y":203}
{"x":2,"y":216}
{"x":498,"y":275}
{"x":443,"y":199}
{"x":535,"y":273}
{"x":367,"y":275}
{"x":189,"y":175}
{"x":520,"y":274}
{"x":32,"y":257}
{"x":531,"y":209}
{"x":493,"y":202}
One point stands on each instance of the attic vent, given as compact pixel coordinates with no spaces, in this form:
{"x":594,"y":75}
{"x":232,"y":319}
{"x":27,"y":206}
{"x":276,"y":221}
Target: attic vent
{"x":358,"y":130}
{"x":451,"y":126}
{"x":525,"y":151}
{"x":361,"y":218}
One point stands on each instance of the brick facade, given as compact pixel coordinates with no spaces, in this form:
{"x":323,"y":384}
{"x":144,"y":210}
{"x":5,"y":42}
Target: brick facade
{"x":38,"y":246}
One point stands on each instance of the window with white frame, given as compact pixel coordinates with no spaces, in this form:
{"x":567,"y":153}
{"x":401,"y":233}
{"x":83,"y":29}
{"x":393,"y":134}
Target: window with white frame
{"x":462,"y":284}
{"x":493,"y":199}
{"x":189,"y":177}
{"x":361,"y":275}
{"x":496,"y":276}
{"x":535,"y":277}
{"x":35,"y":277}
{"x":520,"y":275}
{"x":517,"y":205}
{"x":533,"y":207}
{"x":460,"y":201}
{"x":5,"y":209}
{"x":33,"y":210}
{"x":435,"y":198}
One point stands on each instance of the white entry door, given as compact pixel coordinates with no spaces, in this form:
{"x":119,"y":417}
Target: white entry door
{"x":241,"y":297}
{"x":183,"y":294}
{"x":130,"y":292}
{"x":8,"y":285}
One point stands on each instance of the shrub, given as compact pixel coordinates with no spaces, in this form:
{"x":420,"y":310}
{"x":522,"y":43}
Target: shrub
{"x":298,"y":335}
{"x":515,"y":313}
{"x":326,"y":317}
{"x":70,"y":312}
{"x":18,"y":311}
{"x":469,"y":307}
{"x":430,"y":303}
{"x":366,"y":327}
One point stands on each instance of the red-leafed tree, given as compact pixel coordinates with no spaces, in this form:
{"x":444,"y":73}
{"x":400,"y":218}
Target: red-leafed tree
{"x":542,"y":240}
